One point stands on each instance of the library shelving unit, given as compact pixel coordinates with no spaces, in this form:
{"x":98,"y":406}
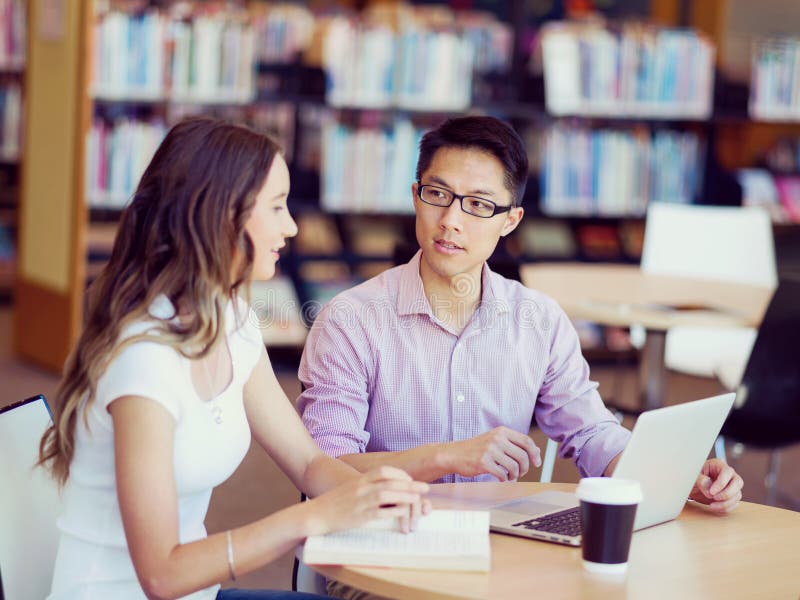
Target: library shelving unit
{"x":12,"y":66}
{"x":89,"y":93}
{"x":49,"y":282}
{"x":352,"y":224}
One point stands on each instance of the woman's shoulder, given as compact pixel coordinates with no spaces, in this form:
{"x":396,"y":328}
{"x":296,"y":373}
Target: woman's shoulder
{"x":142,"y":364}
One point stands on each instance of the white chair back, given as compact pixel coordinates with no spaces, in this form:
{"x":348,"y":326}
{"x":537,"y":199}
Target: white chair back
{"x":29,"y":504}
{"x":731,"y":244}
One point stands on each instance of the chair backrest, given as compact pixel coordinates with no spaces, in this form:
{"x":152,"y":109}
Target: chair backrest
{"x":29,"y":503}
{"x":719,"y":243}
{"x":767,"y":408}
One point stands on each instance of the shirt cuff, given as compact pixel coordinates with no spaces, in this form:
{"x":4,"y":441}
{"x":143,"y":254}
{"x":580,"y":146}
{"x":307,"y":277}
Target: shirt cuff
{"x":601,"y":448}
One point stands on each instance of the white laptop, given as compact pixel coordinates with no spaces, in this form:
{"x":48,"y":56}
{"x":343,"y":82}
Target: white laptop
{"x":665,"y":453}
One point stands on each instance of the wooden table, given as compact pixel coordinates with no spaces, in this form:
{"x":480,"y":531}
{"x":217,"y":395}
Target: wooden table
{"x":624,"y":295}
{"x":752,"y":553}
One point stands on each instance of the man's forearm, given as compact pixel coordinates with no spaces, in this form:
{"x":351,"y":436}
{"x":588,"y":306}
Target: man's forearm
{"x":423,"y":463}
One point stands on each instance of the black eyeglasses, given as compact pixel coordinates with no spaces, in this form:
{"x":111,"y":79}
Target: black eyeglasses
{"x":472,"y":205}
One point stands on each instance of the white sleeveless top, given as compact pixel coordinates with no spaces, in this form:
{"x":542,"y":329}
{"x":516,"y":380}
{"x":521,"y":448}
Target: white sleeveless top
{"x":211,"y":439}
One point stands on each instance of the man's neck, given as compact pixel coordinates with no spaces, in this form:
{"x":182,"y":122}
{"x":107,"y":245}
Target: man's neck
{"x":453,"y":300}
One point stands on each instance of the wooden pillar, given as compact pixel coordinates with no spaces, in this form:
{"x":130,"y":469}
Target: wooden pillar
{"x":49,"y":288}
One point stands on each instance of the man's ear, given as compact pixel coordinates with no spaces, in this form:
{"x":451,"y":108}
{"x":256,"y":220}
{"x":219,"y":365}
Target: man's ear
{"x":513,"y":217}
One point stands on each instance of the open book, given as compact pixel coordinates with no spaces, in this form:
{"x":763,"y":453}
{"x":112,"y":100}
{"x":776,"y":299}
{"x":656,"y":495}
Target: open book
{"x":448,"y":540}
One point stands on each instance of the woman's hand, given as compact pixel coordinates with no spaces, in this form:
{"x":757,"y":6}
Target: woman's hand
{"x":381,"y":493}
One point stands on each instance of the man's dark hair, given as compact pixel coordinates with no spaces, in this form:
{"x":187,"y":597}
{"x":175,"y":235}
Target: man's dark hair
{"x":486,"y":134}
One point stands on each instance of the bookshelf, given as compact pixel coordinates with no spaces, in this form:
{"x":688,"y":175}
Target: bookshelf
{"x":350,"y":127}
{"x":12,"y":65}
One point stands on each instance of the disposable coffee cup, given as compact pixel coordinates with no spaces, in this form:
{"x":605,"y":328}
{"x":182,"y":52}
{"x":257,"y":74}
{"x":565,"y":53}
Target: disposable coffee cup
{"x":608,"y":510}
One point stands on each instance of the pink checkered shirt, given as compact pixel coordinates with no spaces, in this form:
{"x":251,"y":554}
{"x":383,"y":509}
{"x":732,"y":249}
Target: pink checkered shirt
{"x":382,"y":373}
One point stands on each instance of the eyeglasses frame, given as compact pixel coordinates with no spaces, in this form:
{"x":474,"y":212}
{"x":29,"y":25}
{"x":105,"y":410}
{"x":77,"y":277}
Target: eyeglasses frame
{"x":498,"y":208}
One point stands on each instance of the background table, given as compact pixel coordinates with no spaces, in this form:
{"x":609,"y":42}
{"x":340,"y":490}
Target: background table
{"x":624,"y":295}
{"x":752,"y":553}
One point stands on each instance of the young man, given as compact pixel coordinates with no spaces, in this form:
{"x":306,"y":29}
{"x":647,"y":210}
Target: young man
{"x":439,"y":366}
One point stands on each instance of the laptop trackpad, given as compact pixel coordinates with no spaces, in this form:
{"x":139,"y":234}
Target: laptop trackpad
{"x":540,"y":503}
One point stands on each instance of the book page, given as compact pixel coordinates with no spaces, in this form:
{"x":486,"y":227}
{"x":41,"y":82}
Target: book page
{"x":451,"y":539}
{"x":440,"y":521}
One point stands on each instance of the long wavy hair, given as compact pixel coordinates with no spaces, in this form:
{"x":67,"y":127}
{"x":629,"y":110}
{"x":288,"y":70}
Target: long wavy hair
{"x":183,"y":235}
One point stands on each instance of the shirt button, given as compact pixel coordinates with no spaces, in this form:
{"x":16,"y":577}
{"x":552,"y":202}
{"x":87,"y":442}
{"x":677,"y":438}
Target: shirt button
{"x":460,"y":397}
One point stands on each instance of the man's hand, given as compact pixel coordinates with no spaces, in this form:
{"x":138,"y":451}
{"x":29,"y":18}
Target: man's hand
{"x":502,"y":452}
{"x":718,"y":486}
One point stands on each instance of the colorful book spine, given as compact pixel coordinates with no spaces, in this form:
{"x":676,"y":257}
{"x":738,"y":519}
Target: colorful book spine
{"x":616,"y":173}
{"x":422,"y":59}
{"x":206,"y":57}
{"x":775,"y":80}
{"x":10,"y":122}
{"x":283,"y":32}
{"x":117,"y":155}
{"x":369,"y":169}
{"x":631,"y":71}
{"x":13,"y":29}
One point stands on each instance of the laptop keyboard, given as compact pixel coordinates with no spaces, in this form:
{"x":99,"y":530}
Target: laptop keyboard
{"x":566,"y":522}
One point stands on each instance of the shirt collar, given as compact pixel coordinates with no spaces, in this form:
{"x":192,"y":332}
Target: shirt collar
{"x":411,"y":299}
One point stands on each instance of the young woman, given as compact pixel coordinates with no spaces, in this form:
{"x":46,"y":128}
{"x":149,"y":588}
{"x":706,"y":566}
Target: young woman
{"x":170,"y":379}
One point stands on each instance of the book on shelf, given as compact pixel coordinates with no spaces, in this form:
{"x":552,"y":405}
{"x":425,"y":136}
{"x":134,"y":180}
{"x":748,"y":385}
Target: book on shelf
{"x":13,"y":31}
{"x":607,"y":172}
{"x":129,"y":55}
{"x":116,"y":156}
{"x":324,"y":271}
{"x":631,"y":234}
{"x":359,"y":60}
{"x":205,"y":57}
{"x":633,"y":70}
{"x":369,"y":169}
{"x":283,"y":32}
{"x":778,"y":194}
{"x":118,"y":152}
{"x":10,"y":122}
{"x":788,"y":187}
{"x":418,"y":58}
{"x":599,"y":242}
{"x":6,"y":244}
{"x":445,"y":540}
{"x":540,"y":238}
{"x":435,"y":69}
{"x":316,"y":234}
{"x":368,"y":270}
{"x":376,"y":237}
{"x":775,"y":79}
{"x":322,"y":290}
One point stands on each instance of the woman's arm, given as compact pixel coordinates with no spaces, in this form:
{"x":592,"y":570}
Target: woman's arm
{"x":143,"y":446}
{"x":276,"y":425}
{"x":278,"y":429}
{"x":144,"y":432}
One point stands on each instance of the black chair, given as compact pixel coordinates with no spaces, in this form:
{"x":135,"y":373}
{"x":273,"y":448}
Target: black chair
{"x":766,"y":413}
